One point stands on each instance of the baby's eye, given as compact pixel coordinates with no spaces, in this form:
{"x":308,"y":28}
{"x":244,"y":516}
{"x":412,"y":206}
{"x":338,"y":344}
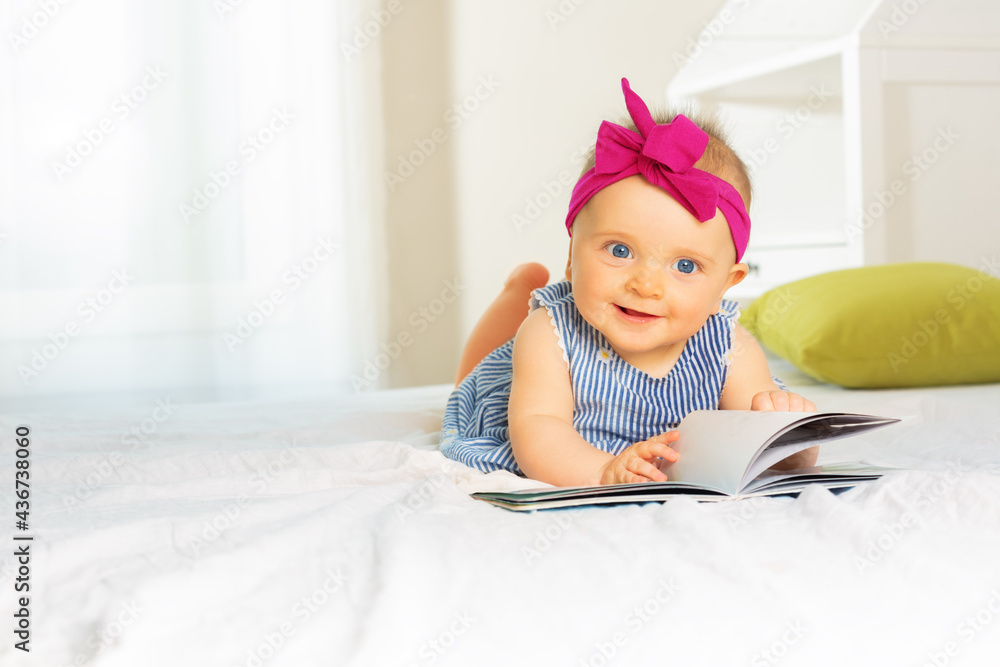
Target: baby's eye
{"x":685,"y":265}
{"x":619,"y":250}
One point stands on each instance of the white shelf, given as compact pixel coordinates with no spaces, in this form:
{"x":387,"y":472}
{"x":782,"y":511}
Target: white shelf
{"x":745,"y":69}
{"x":890,"y":78}
{"x":769,"y":37}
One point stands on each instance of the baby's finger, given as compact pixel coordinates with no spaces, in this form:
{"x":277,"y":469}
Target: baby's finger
{"x":628,"y":477}
{"x":650,"y":449}
{"x":762,"y":402}
{"x":780,"y":400}
{"x":799,"y":403}
{"x":647,"y":471}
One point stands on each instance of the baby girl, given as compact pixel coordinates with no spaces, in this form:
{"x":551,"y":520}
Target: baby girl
{"x":611,"y":359}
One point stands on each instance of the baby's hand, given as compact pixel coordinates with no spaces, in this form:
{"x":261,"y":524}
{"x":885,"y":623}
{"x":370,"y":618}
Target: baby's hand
{"x":779,"y":400}
{"x":636,"y":463}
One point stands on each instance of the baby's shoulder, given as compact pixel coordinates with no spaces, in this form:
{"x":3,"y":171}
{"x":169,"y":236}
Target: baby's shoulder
{"x":538,"y":338}
{"x":556,"y":295}
{"x":729,"y":309}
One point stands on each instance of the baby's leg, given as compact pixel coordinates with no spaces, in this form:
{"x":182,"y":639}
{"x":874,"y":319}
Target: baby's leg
{"x":501,"y":320}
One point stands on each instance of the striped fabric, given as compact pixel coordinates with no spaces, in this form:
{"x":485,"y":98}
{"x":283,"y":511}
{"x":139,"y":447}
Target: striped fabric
{"x":616,"y":404}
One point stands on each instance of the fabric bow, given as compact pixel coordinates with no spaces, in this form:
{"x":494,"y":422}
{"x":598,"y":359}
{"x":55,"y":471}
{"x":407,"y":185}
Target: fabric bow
{"x":665,"y":155}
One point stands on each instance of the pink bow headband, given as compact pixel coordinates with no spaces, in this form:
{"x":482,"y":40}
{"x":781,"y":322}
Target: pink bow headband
{"x":665,"y":156}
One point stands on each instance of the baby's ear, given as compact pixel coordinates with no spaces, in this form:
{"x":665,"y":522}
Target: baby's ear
{"x":736,"y":275}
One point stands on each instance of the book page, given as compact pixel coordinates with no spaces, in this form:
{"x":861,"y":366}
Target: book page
{"x":820,"y":429}
{"x":771,"y":480}
{"x":716,"y":447}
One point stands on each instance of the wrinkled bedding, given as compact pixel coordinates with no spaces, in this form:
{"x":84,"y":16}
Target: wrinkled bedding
{"x":332,"y":532}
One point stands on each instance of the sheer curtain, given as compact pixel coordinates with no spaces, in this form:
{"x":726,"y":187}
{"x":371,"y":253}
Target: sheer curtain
{"x":172,"y":200}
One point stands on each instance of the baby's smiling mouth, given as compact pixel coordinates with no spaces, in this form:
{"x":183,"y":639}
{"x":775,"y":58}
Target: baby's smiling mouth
{"x":635,"y":313}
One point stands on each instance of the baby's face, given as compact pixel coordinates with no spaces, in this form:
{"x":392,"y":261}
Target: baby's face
{"x":645,"y":272}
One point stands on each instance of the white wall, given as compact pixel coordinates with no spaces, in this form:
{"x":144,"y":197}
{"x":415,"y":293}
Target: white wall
{"x":941,"y":148}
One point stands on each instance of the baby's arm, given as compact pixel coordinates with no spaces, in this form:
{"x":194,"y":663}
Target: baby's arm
{"x":540,"y":414}
{"x":750,"y":387}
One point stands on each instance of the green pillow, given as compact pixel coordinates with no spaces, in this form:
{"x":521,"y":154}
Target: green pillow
{"x":897,"y":325}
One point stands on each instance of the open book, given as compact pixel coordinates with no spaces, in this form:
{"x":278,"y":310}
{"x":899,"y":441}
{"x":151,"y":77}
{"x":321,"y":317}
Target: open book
{"x":724,"y":454}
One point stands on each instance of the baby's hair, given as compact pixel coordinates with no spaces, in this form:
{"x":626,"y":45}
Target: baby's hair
{"x":719,"y":158}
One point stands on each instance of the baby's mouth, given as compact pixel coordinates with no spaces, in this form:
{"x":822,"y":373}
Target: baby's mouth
{"x":635,"y":313}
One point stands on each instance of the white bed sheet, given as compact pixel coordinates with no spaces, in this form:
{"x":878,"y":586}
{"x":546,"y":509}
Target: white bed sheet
{"x":333,"y":533}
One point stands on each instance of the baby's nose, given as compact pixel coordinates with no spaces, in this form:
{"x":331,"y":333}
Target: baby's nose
{"x":647,"y":282}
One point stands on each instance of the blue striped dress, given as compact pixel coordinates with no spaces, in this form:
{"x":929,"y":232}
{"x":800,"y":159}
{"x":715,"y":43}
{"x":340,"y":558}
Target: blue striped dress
{"x":615,"y":403}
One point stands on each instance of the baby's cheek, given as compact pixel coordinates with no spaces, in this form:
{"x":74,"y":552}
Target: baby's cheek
{"x":596,"y":317}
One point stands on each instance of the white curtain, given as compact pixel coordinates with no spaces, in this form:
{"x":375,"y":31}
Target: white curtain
{"x":172,"y":199}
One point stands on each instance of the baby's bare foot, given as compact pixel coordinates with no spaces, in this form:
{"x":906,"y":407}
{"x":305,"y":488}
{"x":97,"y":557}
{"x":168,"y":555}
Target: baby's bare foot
{"x":528,"y":277}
